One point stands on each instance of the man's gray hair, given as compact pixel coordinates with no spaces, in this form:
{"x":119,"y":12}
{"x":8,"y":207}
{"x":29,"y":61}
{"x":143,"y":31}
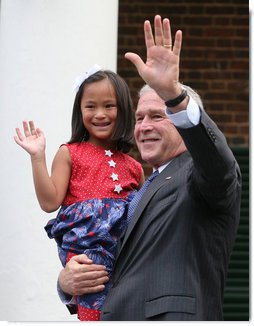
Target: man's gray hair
{"x":146,"y":88}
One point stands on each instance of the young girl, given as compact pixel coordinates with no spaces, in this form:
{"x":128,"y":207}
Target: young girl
{"x":92,"y":177}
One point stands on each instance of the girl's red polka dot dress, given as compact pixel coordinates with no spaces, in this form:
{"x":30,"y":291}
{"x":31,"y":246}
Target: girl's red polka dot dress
{"x":92,"y":217}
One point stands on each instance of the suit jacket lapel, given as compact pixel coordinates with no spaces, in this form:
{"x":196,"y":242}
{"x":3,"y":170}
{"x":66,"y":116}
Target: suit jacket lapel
{"x":163,"y":177}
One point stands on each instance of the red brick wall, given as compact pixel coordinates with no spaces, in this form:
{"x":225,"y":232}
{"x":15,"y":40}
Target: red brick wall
{"x":214,"y":57}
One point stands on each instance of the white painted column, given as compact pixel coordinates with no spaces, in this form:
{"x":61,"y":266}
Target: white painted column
{"x":44,"y":45}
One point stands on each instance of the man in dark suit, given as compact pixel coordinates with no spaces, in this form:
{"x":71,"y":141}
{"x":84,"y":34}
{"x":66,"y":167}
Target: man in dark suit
{"x":173,"y":259}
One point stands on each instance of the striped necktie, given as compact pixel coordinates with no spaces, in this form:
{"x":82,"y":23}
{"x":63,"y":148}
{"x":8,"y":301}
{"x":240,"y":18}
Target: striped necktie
{"x":134,"y":203}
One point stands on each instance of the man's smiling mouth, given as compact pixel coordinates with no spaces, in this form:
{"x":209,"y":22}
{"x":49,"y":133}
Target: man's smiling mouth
{"x":149,"y":140}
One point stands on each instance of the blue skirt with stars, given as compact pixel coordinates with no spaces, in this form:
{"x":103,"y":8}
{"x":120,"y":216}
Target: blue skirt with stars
{"x":92,"y":227}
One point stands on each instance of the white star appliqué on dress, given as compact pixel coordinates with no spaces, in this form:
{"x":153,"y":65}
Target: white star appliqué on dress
{"x":108,"y":153}
{"x":118,"y":188}
{"x":112,"y":163}
{"x":114,"y":176}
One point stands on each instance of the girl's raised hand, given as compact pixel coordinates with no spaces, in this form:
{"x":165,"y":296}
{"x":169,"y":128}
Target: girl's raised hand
{"x":33,"y":140}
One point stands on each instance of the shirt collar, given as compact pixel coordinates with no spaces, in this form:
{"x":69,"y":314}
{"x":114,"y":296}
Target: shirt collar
{"x":162,"y":167}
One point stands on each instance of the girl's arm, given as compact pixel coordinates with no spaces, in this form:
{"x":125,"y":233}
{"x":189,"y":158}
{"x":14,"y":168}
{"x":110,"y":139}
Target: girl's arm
{"x":50,"y":190}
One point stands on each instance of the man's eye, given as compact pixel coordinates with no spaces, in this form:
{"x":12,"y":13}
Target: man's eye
{"x":157,"y":117}
{"x":138,"y":119}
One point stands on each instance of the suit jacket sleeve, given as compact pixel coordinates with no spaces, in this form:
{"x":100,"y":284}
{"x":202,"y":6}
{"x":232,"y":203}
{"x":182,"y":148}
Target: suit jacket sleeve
{"x":216,"y":171}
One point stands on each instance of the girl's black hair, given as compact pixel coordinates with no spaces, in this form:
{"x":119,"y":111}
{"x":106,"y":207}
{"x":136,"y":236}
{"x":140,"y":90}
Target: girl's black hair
{"x":123,"y":132}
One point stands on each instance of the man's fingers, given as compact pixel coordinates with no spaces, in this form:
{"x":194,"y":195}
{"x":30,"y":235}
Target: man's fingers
{"x":89,"y":286}
{"x":81,"y":276}
{"x":91,"y":270}
{"x":81,"y":265}
{"x":96,"y":289}
{"x":149,"y":39}
{"x":93,"y":282}
{"x":81,"y":259}
{"x":167,"y":33}
{"x":136,"y":60}
{"x":158,"y":31}
{"x":88,"y":274}
{"x":177,"y":43}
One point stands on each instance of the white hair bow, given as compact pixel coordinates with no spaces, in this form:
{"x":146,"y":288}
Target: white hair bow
{"x":81,"y":78}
